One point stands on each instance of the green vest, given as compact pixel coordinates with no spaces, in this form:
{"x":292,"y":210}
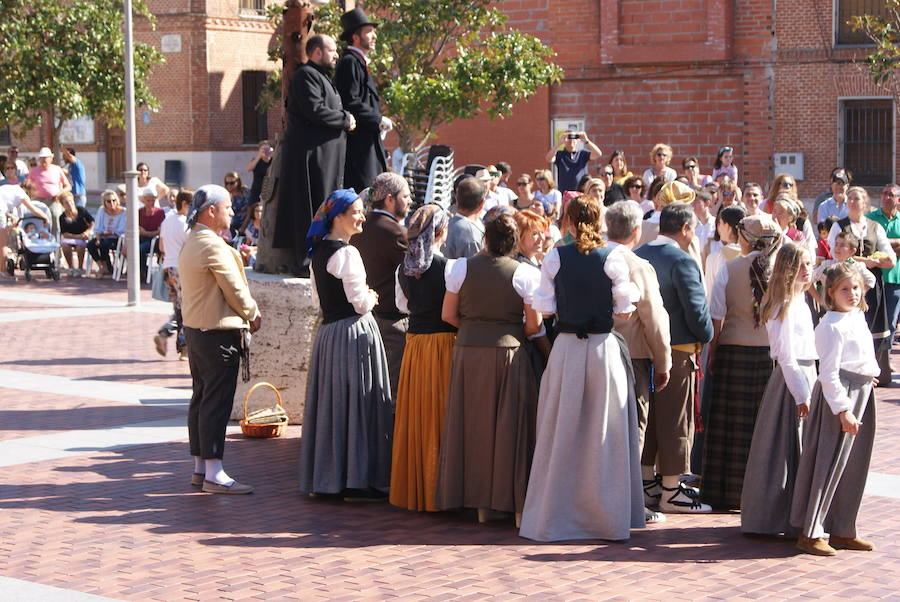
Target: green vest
{"x":892,"y":230}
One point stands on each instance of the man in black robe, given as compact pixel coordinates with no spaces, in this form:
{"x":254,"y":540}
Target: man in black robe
{"x":314,"y":149}
{"x":365,"y":153}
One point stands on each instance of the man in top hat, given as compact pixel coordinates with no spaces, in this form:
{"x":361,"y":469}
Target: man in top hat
{"x":365,"y":153}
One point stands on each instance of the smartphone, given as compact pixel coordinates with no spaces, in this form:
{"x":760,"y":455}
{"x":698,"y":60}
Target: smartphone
{"x":572,"y":136}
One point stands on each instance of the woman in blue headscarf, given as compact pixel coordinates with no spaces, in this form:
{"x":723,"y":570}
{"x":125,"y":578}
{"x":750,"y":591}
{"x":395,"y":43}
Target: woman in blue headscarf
{"x":348,"y":420}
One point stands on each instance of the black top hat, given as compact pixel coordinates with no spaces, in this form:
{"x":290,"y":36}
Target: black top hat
{"x":353,"y":20}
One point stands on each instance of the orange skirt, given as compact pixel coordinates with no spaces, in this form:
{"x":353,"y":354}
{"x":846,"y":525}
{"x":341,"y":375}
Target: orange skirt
{"x":421,"y":398}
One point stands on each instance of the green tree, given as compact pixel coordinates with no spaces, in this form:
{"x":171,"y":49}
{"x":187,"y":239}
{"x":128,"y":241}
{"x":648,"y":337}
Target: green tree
{"x":441,"y":60}
{"x":884,"y":31}
{"x":62,"y":60}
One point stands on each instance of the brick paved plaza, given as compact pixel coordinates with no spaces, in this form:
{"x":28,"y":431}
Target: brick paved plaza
{"x":95,"y":499}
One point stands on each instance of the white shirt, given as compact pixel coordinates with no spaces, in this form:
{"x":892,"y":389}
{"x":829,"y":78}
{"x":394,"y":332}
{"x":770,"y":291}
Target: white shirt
{"x":172,"y":234}
{"x":843,"y":343}
{"x":861,"y":229}
{"x":867,"y":276}
{"x":704,"y":231}
{"x":11,"y":197}
{"x":346,"y":264}
{"x":625,"y":293}
{"x":717,"y":306}
{"x":400,"y":297}
{"x":791,"y":338}
{"x":525,"y":281}
{"x":668,"y":175}
{"x":715,"y":261}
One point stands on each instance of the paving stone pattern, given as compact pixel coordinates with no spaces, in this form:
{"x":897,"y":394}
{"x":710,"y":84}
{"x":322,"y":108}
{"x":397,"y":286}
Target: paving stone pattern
{"x":125,"y":523}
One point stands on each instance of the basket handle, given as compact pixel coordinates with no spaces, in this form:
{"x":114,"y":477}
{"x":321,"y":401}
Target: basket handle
{"x":257,"y":386}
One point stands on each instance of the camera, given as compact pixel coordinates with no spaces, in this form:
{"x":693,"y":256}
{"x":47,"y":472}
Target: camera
{"x":572,"y":136}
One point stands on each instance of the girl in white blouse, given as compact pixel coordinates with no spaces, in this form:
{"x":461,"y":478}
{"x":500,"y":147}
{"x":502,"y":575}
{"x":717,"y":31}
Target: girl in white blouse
{"x":775,"y":449}
{"x":838,"y":438}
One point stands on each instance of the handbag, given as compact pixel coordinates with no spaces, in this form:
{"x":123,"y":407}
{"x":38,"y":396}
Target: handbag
{"x":158,"y":284}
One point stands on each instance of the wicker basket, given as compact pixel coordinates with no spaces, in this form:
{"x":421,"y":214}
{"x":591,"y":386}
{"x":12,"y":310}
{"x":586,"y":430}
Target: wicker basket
{"x":267,"y":423}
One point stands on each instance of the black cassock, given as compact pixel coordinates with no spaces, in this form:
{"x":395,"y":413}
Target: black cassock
{"x":365,"y":153}
{"x":314,"y":151}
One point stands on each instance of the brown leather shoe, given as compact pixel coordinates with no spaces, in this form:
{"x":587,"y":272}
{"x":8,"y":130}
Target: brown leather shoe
{"x":850,"y":543}
{"x":234,"y":489}
{"x":815,"y":546}
{"x":197,"y":479}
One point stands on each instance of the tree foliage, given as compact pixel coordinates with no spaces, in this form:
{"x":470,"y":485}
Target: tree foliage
{"x":884,"y":31}
{"x":440,"y":60}
{"x":62,"y":60}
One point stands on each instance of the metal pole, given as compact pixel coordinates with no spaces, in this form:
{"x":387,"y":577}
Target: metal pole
{"x":131,"y":236}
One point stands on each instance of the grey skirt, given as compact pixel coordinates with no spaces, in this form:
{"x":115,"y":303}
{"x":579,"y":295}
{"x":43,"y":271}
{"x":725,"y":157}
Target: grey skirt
{"x":774,"y":456}
{"x":348,"y":422}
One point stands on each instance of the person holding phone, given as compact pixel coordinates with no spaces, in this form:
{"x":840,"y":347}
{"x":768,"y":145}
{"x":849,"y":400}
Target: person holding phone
{"x":571,"y":164}
{"x":259,"y":166}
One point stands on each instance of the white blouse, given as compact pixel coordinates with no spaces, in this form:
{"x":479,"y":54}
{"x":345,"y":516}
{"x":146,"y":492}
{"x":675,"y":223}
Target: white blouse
{"x":625,"y":293}
{"x":791,"y":338}
{"x":860,"y":230}
{"x":525,"y":280}
{"x":867,"y":276}
{"x":402,"y":301}
{"x":843,"y":342}
{"x":347,"y":265}
{"x":715,"y":261}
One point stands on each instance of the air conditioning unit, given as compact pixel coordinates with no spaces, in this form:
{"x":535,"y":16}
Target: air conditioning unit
{"x":789,"y":163}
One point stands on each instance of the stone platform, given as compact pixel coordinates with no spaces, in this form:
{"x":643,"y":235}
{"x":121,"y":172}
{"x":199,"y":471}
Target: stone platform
{"x":280,"y":350}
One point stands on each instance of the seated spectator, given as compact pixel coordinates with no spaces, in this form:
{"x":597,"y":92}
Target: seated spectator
{"x":612,"y":191}
{"x":823,"y":251}
{"x":634,"y":190}
{"x":76,"y":229}
{"x":150,"y":218}
{"x":620,"y":167}
{"x":548,"y":194}
{"x":250,"y":230}
{"x":725,"y":164}
{"x":690,"y":169}
{"x":660,"y":156}
{"x":108,"y":227}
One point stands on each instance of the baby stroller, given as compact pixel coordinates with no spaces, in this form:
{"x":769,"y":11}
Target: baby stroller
{"x":36,"y":246}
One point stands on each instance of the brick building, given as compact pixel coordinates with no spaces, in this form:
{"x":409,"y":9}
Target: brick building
{"x":216,"y":61}
{"x":763,"y":77}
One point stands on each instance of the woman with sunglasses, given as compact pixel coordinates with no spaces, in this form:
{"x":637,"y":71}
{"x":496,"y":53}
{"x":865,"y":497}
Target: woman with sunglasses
{"x":690,"y":169}
{"x":525,"y":197}
{"x":240,"y":198}
{"x":145,"y":180}
{"x":660,"y":157}
{"x":728,"y":194}
{"x":108,"y":227}
{"x":634,"y":191}
{"x":620,"y":167}
{"x":782,"y":183}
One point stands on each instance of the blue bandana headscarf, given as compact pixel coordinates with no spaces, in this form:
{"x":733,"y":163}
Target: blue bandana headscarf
{"x":205,"y":196}
{"x":337,"y":202}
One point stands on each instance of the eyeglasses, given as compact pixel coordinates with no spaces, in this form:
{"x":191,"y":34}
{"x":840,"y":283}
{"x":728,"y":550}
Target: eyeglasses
{"x":787,"y":184}
{"x":230,"y":182}
{"x":662,"y":154}
{"x":690,"y":166}
{"x":495,"y":174}
{"x":727,"y":193}
{"x":540,"y":179}
{"x":607,"y":172}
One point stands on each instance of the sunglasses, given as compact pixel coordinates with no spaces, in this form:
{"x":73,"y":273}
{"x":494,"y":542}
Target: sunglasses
{"x":495,"y":174}
{"x":690,"y":166}
{"x":230,"y":182}
{"x":638,"y":186}
{"x":727,"y":193}
{"x":661,"y":154}
{"x":787,"y":184}
{"x":607,"y":172}
{"x":540,"y":179}
{"x":839,"y":181}
{"x":521,"y":183}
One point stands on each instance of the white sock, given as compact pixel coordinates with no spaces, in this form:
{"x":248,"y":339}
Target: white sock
{"x":199,"y":465}
{"x":647,"y":473}
{"x":215,"y":473}
{"x":671,"y":482}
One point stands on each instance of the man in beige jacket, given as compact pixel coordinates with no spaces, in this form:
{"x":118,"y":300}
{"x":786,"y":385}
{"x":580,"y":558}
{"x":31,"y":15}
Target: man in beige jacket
{"x":216,"y":307}
{"x":647,"y":331}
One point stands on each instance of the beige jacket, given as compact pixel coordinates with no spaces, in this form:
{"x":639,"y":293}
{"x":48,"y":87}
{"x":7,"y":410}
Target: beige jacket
{"x":214,"y":290}
{"x":647,"y":331}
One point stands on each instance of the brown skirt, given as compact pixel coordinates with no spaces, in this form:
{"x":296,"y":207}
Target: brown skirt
{"x":489,"y":430}
{"x":421,"y":396}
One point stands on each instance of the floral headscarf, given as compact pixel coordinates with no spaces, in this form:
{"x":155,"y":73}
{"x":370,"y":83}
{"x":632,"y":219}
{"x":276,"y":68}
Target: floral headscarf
{"x":336,"y":203}
{"x":763,"y":235}
{"x":427,"y":221}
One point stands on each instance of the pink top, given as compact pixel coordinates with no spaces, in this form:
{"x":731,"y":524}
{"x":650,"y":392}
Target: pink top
{"x":49,"y":181}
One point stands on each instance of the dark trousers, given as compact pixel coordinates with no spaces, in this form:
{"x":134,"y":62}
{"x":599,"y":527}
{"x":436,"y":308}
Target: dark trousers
{"x":100,"y":248}
{"x":214,"y":357}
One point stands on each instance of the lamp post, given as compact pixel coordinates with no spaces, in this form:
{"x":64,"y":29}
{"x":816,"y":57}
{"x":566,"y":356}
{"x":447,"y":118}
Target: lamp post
{"x":131,"y":236}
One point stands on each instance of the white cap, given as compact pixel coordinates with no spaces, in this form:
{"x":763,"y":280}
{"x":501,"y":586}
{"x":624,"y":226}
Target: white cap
{"x":45,"y":152}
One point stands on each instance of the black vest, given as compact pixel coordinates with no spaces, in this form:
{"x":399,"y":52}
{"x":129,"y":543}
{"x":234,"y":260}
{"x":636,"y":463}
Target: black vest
{"x":332,"y":299}
{"x":425,"y":298}
{"x":583,"y":292}
{"x":876,"y":314}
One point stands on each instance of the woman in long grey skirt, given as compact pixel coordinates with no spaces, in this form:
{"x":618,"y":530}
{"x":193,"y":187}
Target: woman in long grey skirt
{"x":775,"y":449}
{"x":837,"y":443}
{"x":348,"y":420}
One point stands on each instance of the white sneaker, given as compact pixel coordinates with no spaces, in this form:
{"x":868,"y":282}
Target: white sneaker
{"x":651,"y":516}
{"x":683,"y":500}
{"x":652,"y":492}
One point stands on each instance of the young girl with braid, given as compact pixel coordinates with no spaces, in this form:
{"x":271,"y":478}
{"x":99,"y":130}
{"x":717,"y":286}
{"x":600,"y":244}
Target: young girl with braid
{"x":775,"y":449}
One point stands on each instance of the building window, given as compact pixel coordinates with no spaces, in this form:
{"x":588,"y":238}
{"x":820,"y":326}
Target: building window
{"x":868,"y":140}
{"x":845,"y":10}
{"x":254,"y":8}
{"x":5,"y":138}
{"x":256,"y":126}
